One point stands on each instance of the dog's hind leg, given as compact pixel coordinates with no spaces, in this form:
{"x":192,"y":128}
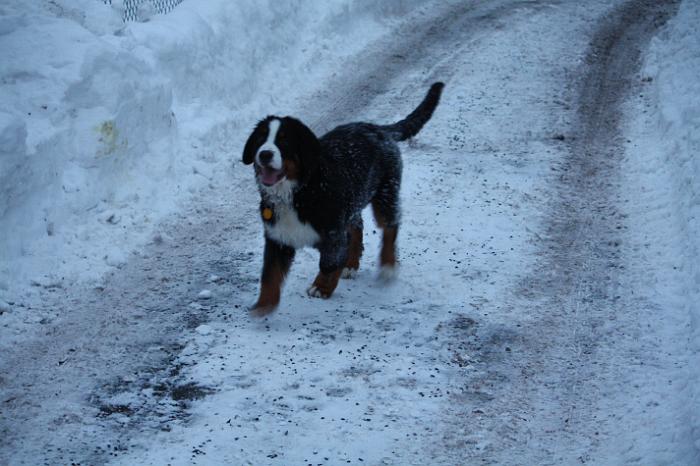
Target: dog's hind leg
{"x":355,"y":248}
{"x":385,"y":207}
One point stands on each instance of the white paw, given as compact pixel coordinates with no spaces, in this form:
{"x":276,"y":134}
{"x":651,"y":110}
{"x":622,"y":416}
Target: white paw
{"x":348,"y":273}
{"x":314,"y":292}
{"x":388,"y":273}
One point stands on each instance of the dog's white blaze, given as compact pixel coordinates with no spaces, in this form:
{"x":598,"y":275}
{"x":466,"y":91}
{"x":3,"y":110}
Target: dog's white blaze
{"x":276,"y":162}
{"x":289,"y":230}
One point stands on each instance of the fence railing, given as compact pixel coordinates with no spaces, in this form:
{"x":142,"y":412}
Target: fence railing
{"x":131,"y":7}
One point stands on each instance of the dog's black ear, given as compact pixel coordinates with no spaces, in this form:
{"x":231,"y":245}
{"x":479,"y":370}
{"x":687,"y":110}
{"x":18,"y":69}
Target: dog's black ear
{"x":307,"y":147}
{"x":251,"y":146}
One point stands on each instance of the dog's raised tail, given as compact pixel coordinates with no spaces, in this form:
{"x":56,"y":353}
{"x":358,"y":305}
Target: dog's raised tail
{"x":409,"y":126}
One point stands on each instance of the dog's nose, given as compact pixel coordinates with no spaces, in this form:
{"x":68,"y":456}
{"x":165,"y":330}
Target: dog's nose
{"x":265,"y":156}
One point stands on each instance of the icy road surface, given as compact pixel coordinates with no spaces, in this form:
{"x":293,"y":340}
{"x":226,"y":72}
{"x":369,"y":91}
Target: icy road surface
{"x":520,"y":330}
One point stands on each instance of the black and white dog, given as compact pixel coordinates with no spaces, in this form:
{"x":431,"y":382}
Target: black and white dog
{"x":313,"y":191}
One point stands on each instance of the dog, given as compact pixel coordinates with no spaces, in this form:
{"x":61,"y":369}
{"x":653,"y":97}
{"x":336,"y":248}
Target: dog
{"x":313,"y":191}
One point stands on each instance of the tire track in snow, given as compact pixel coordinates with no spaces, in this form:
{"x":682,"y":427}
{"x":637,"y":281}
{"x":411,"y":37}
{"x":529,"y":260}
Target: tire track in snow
{"x":580,"y":341}
{"x":418,"y":52}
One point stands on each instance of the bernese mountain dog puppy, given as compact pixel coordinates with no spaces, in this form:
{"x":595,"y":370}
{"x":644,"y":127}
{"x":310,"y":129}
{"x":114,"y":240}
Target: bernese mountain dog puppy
{"x":313,"y":191}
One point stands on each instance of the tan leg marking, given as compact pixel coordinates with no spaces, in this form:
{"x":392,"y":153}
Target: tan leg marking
{"x":270,"y":291}
{"x":387,"y":256}
{"x":354,"y":253}
{"x":325,"y":284}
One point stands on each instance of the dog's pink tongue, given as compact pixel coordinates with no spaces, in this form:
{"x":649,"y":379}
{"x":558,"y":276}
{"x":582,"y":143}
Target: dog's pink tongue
{"x":269,"y":176}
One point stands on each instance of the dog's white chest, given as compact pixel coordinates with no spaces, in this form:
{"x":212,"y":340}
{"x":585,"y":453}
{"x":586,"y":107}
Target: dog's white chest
{"x":288,"y":229}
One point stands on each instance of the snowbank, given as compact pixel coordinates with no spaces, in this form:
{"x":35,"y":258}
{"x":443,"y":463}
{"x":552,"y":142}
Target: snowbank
{"x":105,"y":126}
{"x":673,"y":63}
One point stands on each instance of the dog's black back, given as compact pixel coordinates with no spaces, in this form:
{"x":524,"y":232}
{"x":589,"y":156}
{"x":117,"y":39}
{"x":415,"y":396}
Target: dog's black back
{"x":356,"y":159}
{"x":358,"y":163}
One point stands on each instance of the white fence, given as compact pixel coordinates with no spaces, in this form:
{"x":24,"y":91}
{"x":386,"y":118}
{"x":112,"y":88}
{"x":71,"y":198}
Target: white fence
{"x":132,"y":8}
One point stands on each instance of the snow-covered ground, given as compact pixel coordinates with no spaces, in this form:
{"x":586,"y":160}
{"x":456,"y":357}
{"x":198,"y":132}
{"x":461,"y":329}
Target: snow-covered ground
{"x":662,"y":165}
{"x":130,"y":244}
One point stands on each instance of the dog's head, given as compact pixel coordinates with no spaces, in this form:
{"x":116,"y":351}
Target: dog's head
{"x":282,"y":149}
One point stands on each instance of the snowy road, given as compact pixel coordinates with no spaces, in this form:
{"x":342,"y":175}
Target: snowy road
{"x":518,"y":331}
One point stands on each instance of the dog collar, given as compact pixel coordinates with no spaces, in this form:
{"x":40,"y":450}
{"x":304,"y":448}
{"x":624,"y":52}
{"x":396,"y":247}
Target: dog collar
{"x":267,"y":213}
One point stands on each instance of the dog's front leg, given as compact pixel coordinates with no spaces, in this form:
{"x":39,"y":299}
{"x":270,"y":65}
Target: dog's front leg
{"x":334,"y":255}
{"x":276,"y":263}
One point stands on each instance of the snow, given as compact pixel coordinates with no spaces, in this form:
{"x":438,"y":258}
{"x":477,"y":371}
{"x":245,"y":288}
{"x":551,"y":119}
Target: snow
{"x":103,"y":119}
{"x":664,"y":172}
{"x":107,"y":129}
{"x":4,"y":307}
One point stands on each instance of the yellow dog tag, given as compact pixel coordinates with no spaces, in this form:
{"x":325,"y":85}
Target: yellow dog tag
{"x":267,"y":213}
